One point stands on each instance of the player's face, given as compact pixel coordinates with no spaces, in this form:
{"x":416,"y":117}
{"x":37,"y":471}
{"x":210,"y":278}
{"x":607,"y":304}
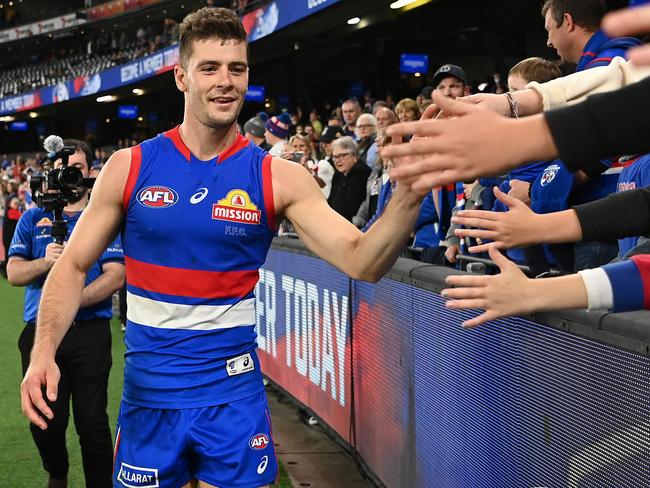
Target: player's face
{"x":216,"y":81}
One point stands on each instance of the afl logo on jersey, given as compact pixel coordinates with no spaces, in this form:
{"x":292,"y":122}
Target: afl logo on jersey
{"x":236,"y":207}
{"x":259,"y":441}
{"x":157,"y":197}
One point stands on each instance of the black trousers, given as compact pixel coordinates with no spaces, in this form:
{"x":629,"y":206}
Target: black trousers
{"x":84,"y":358}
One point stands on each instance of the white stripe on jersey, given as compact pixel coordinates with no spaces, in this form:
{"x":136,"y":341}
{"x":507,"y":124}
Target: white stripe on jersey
{"x":165,"y":315}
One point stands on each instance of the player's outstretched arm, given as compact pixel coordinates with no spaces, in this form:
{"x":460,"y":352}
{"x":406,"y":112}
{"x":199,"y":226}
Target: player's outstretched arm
{"x":63,"y":288}
{"x":512,"y":293}
{"x":473,"y":142}
{"x":362,"y":256}
{"x":518,"y":227}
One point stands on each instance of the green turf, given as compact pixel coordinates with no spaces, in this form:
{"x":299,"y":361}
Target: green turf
{"x":20,"y":465}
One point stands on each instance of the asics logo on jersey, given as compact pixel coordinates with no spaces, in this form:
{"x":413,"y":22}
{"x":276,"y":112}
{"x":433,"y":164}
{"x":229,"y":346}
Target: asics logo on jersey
{"x":262,"y":466}
{"x":199,"y":196}
{"x":259,"y":441}
{"x":157,"y":197}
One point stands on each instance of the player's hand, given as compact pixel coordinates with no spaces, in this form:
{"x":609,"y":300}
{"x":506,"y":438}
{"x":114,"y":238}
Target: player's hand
{"x":515,"y":228}
{"x":451,"y":253}
{"x":41,"y":372}
{"x":52,"y":253}
{"x":508,"y":293}
{"x":630,"y":22}
{"x":398,"y":140}
{"x":472,"y":142}
{"x":496,"y":103}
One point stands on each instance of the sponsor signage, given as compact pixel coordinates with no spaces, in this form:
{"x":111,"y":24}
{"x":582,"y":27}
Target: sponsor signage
{"x":146,"y":67}
{"x":19,"y":126}
{"x":41,"y":27}
{"x":127,"y":112}
{"x":256,"y":93}
{"x":414,"y":63}
{"x":279,"y":14}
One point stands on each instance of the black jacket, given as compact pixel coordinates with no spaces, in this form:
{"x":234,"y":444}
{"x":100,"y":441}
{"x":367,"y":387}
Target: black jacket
{"x":348,"y":192}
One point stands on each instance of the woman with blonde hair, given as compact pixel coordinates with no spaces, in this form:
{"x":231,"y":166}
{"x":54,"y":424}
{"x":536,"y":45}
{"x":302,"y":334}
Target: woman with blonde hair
{"x":407,"y":110}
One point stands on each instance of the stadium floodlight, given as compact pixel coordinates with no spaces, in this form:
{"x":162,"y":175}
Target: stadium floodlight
{"x":7,"y":118}
{"x":401,"y":3}
{"x":137,"y":91}
{"x":106,"y":98}
{"x":354,"y":21}
{"x":33,"y":115}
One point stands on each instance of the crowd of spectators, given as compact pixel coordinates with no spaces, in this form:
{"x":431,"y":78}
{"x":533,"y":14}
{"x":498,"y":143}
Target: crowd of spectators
{"x":341,"y":147}
{"x":343,"y":154}
{"x":99,"y":51}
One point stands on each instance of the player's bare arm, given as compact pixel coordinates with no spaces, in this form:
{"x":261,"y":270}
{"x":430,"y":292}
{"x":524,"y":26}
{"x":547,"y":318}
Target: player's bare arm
{"x":362,"y":256}
{"x":96,"y":228}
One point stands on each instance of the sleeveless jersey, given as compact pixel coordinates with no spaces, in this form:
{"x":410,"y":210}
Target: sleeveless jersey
{"x":195,"y":235}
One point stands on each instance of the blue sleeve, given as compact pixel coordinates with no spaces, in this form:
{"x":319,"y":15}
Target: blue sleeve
{"x":21,"y":244}
{"x":382,"y":200}
{"x":428,"y":214}
{"x":630,"y":281}
{"x":114,"y":252}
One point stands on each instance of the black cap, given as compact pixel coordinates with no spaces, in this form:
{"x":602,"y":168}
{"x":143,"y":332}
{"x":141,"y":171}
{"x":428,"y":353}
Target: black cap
{"x":331,"y":133}
{"x":447,"y":70}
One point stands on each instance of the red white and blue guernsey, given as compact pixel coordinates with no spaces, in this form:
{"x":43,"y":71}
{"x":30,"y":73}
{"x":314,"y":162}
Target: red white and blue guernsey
{"x":195,"y":235}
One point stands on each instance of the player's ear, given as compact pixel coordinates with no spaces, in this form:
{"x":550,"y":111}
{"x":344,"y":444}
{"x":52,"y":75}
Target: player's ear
{"x":180,"y":77}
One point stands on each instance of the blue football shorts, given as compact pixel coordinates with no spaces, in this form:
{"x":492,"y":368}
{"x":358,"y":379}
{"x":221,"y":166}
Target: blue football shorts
{"x":228,"y":445}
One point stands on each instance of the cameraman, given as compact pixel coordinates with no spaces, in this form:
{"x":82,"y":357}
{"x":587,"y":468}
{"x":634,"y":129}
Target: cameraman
{"x":84,"y":357}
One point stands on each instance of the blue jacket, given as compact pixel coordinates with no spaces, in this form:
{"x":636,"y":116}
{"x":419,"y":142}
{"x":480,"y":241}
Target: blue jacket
{"x":32,"y":236}
{"x":601,"y":49}
{"x":425,"y":228}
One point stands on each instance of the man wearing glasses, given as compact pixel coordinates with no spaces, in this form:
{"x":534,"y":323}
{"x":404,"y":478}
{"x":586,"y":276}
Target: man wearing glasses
{"x":349,"y":183}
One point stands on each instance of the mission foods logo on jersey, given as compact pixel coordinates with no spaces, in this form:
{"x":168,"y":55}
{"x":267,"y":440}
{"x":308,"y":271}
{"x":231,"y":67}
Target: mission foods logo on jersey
{"x":157,"y":197}
{"x":236,"y":207}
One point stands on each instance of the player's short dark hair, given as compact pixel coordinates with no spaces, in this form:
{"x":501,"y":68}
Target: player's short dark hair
{"x":82,"y":147}
{"x":208,"y":23}
{"x":585,"y":13}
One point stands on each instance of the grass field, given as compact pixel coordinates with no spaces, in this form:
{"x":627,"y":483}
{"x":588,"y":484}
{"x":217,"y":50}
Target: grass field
{"x":20,"y":465}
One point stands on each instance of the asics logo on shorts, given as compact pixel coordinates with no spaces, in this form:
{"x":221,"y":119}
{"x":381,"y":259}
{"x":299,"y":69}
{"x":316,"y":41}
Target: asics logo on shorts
{"x":262,"y":466}
{"x":137,"y":477}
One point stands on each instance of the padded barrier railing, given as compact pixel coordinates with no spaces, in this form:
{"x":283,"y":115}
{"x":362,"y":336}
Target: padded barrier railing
{"x":549,"y":400}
